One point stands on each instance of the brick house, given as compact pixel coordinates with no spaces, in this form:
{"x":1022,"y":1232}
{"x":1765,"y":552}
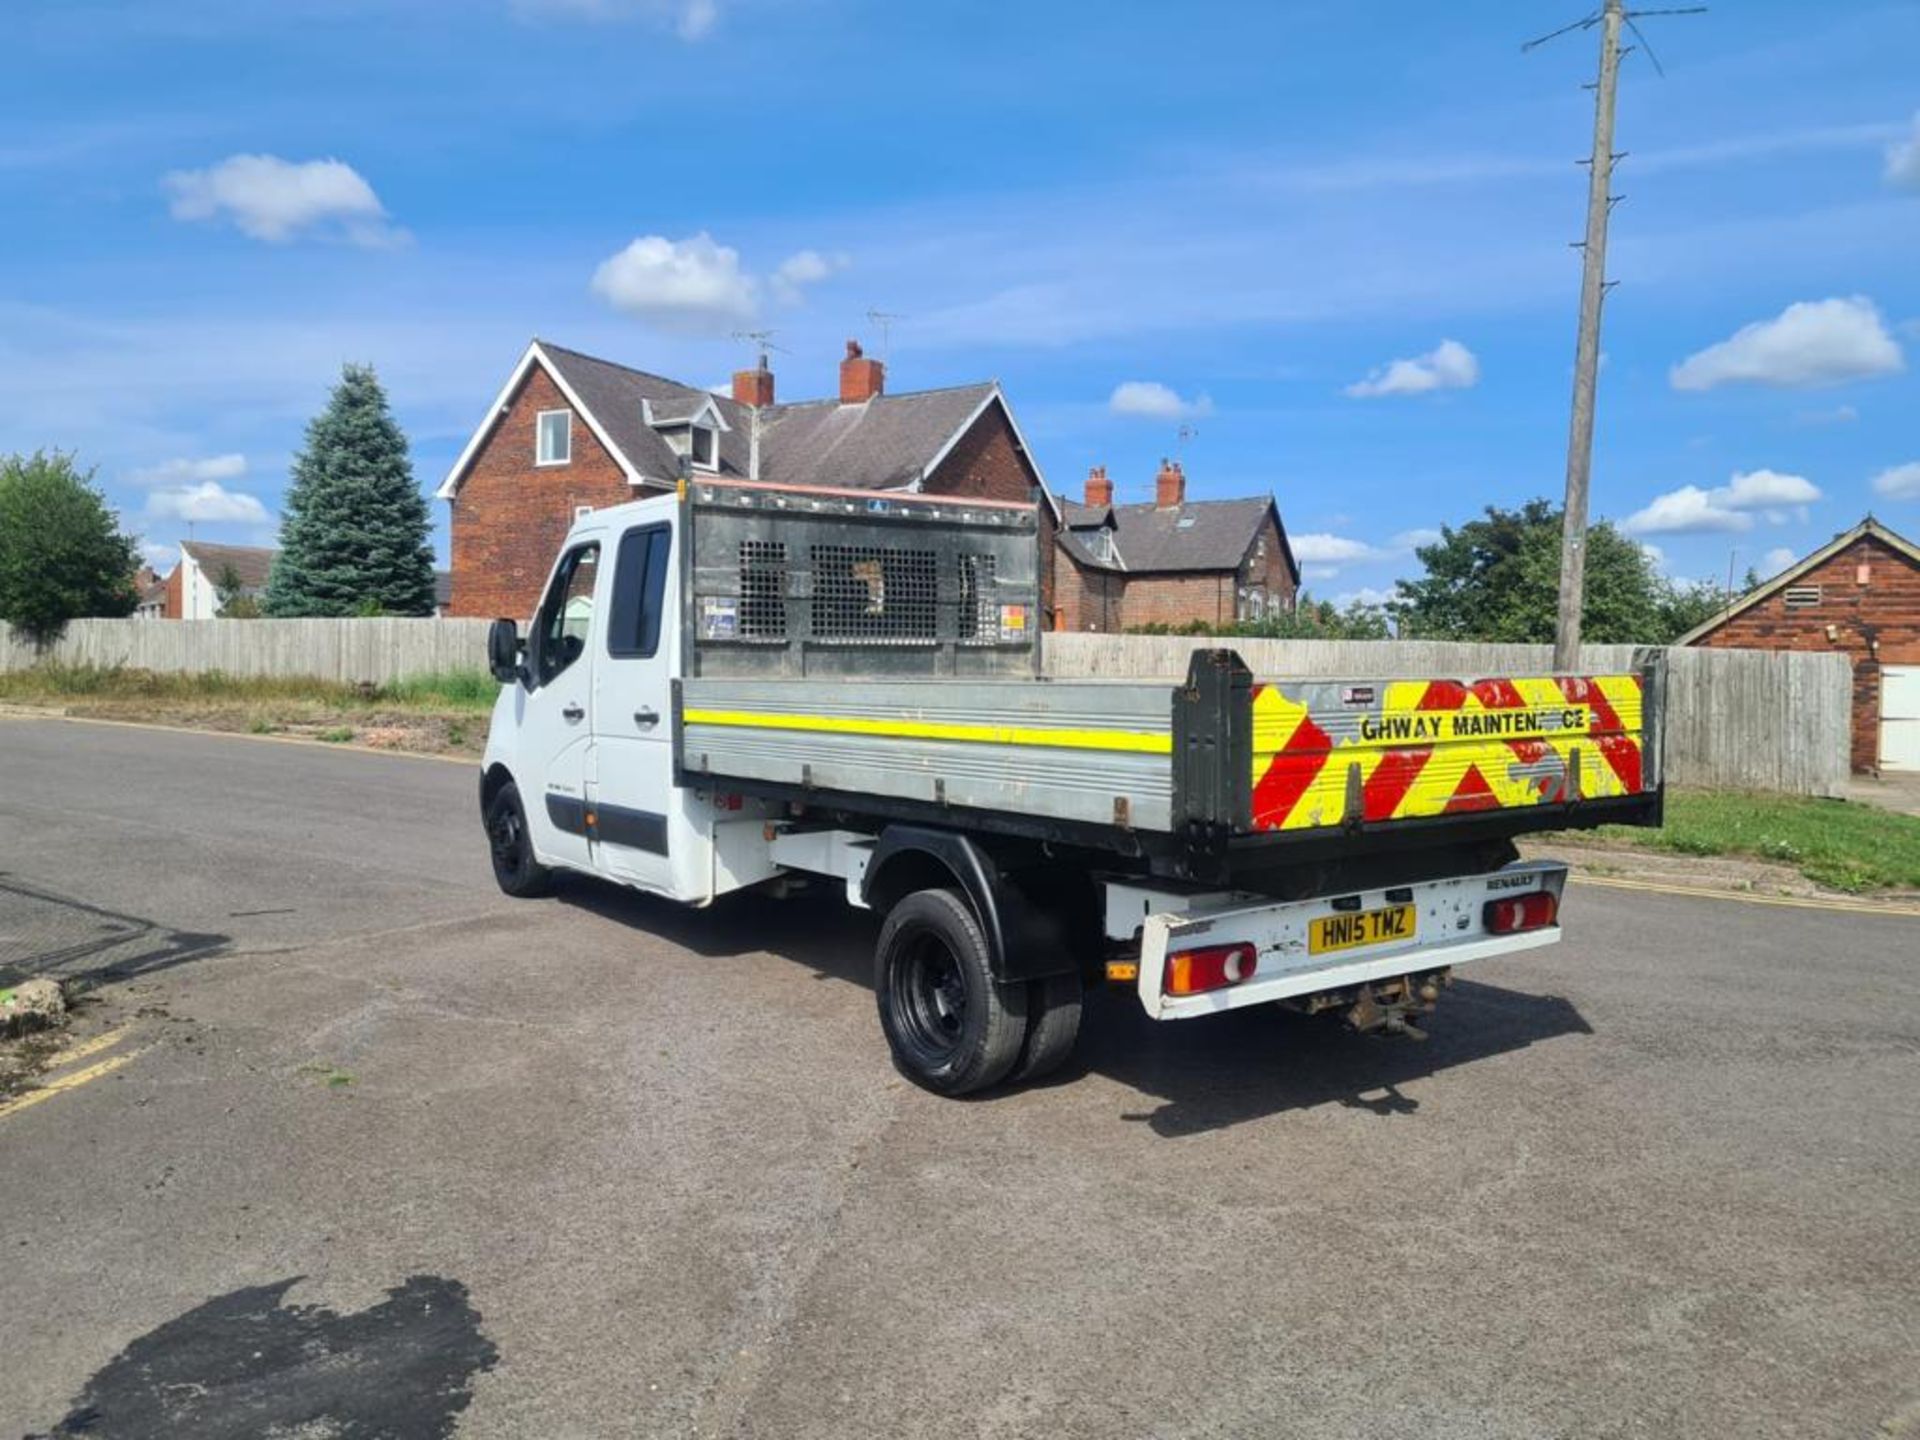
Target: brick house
{"x":1171,"y":562}
{"x":1858,"y":594}
{"x":192,"y":588}
{"x":569,"y":432}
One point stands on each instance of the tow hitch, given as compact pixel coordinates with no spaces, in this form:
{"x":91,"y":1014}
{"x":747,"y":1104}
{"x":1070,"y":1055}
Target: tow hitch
{"x":1384,"y":1005}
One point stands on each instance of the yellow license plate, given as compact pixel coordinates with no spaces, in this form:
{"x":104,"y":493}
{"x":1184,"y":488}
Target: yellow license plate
{"x":1352,"y":929}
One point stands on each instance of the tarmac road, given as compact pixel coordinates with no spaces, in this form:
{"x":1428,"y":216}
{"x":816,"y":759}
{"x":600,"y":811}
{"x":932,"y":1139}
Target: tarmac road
{"x":379,"y":1152}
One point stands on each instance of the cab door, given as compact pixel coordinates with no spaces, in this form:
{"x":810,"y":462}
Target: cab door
{"x":556,"y":735}
{"x":635,"y":801}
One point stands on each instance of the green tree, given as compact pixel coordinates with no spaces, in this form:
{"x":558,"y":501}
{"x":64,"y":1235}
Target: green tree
{"x":62,"y":553}
{"x":1498,"y":578}
{"x":353,"y":534}
{"x":229,"y":590}
{"x":1310,"y":619}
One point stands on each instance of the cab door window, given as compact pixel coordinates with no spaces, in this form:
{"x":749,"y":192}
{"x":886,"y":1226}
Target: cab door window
{"x":566,"y":616}
{"x":639,"y":592}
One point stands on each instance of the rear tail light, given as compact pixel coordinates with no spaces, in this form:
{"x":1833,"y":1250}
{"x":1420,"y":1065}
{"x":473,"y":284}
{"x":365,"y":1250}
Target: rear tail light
{"x":1533,"y":911}
{"x":1213,"y":967}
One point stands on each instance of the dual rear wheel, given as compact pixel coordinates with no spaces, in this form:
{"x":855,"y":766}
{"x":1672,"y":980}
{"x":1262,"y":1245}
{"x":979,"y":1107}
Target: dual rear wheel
{"x":952,"y":1027}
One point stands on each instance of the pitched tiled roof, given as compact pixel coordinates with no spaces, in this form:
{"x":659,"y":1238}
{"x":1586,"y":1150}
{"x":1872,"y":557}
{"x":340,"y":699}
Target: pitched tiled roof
{"x":1198,"y":535}
{"x":1867,"y":528}
{"x":250,"y":562}
{"x":883,"y":443}
{"x":887,"y":442}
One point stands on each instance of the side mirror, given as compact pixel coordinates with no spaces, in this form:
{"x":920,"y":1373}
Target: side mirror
{"x":503,"y":651}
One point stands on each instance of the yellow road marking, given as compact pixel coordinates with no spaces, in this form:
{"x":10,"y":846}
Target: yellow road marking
{"x":1794,"y":902}
{"x":89,"y":1047}
{"x":1057,"y":736}
{"x":348,"y":746}
{"x":68,"y":1082}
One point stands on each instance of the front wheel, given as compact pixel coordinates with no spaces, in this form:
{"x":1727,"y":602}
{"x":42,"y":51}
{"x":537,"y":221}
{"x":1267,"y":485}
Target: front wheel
{"x":952,"y":1027}
{"x":514,"y":868}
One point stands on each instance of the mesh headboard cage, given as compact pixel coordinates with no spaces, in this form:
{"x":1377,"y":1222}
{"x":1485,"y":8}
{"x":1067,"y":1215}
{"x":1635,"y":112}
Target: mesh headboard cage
{"x":790,"y":581}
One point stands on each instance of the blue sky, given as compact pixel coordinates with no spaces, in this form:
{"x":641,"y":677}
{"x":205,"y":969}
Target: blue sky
{"x":1236,"y":217}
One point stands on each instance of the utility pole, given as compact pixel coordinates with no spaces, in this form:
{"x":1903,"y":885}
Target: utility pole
{"x":1586,"y":361}
{"x":1593,"y":293}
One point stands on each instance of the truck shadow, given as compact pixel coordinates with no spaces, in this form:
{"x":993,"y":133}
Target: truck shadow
{"x":1208,"y":1074}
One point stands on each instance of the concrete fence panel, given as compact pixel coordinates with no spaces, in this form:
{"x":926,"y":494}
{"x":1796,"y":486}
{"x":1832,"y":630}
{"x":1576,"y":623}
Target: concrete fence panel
{"x":1741,"y":719}
{"x":1748,"y":719}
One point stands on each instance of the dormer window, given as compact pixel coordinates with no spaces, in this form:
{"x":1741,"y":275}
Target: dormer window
{"x":702,"y":447}
{"x":693,"y":434}
{"x":553,"y":437}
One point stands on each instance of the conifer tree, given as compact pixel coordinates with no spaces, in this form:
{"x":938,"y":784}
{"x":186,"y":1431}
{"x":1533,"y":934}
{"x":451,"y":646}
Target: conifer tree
{"x":354,"y":525}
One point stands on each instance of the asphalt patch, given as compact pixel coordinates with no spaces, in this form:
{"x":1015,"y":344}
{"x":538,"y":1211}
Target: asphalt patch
{"x":247,"y":1364}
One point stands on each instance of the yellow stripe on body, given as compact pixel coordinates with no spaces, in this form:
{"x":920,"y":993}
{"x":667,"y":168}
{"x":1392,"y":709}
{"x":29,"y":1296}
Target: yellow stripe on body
{"x":1135,"y":741}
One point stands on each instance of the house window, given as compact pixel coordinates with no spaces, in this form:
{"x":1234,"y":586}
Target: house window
{"x":702,"y":448}
{"x":553,"y":437}
{"x":1802,"y":597}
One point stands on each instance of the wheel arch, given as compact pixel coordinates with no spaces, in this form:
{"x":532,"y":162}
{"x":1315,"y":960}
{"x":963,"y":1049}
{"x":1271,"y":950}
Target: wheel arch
{"x":1033,"y":929}
{"x":495,"y":778}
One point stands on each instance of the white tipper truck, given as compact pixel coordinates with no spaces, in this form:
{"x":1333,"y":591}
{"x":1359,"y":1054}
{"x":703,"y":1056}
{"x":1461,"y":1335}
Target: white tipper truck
{"x":741,"y":686}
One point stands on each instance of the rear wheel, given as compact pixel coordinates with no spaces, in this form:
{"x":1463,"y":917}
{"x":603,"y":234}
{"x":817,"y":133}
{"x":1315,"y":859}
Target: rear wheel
{"x":514,"y":868}
{"x":952,"y":1027}
{"x":1053,"y":1025}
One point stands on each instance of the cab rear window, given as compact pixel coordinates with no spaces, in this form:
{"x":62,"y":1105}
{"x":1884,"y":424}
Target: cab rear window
{"x":639,"y":592}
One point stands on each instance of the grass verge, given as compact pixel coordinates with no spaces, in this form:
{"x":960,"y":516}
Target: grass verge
{"x":436,"y":714}
{"x":1855,"y":848}
{"x":471,"y":691}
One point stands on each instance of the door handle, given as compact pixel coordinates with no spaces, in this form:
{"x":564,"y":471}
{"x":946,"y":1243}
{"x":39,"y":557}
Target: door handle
{"x":646,"y":717}
{"x":574,"y":713}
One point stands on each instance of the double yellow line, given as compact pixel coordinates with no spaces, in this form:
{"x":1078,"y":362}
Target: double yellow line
{"x":70,"y":1079}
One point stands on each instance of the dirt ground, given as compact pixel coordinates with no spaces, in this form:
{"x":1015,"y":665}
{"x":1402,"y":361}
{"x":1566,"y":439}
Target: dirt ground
{"x":422,"y":732}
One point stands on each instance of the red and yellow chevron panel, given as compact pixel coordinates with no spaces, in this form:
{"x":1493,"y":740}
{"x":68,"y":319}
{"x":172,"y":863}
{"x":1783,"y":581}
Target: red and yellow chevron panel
{"x":1440,"y":747}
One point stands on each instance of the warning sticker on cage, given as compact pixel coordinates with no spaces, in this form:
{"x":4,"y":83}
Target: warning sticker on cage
{"x":719,"y":618}
{"x":1013,"y":622}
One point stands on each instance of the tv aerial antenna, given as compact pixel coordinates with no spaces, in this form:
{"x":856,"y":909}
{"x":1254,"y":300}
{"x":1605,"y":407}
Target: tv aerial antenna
{"x":884,"y":319}
{"x":762,"y":342}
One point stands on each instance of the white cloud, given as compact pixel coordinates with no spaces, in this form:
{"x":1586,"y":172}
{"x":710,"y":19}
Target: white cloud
{"x":159,"y":558}
{"x":1777,"y":559}
{"x":1811,"y":342}
{"x":1365,"y":595}
{"x":1448,"y":366}
{"x":1328,"y":554}
{"x":1838,"y":415}
{"x":1655,"y":555}
{"x":185,"y":472}
{"x":1155,"y":401}
{"x":1901,"y":482}
{"x":1725,"y":508}
{"x":1903,"y":160}
{"x":691,"y":20}
{"x":1415,"y":538}
{"x":277,"y":200}
{"x":206,"y":503}
{"x":804,"y":268}
{"x":686,"y":285}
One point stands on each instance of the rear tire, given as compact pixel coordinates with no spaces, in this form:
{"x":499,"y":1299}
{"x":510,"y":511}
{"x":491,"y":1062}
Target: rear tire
{"x":514,"y":868}
{"x":1053,"y":1025}
{"x":952,"y":1027}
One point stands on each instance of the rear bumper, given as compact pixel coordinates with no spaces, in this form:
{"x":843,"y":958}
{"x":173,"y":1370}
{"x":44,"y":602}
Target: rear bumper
{"x":1449,"y":930}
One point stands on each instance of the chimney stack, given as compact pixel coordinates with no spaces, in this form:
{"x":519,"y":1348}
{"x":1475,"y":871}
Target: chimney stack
{"x":1170,"y":486}
{"x":1099,"y":487}
{"x":754,"y":387}
{"x":860,"y":378}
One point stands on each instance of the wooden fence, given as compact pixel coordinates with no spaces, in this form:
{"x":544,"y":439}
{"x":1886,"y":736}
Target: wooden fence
{"x":1749,"y":719}
{"x":354,"y":651}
